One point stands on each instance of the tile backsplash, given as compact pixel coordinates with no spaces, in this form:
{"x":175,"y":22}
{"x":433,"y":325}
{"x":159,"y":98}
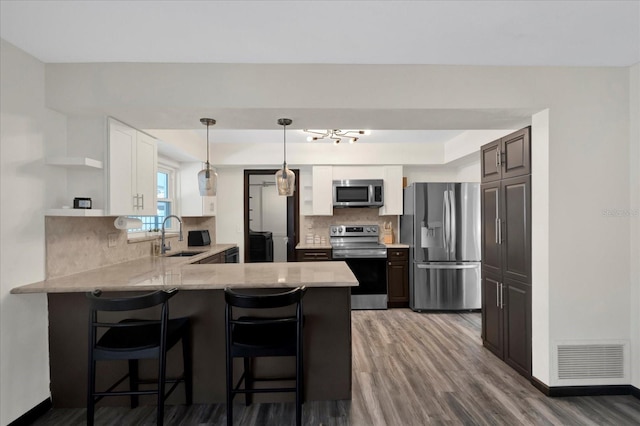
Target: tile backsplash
{"x":77,"y":244}
{"x":319,"y":225}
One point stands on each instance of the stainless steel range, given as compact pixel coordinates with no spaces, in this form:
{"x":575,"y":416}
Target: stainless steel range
{"x":359,"y":247}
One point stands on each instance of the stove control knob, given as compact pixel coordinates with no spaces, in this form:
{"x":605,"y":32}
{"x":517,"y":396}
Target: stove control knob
{"x":333,"y":230}
{"x":341,"y":229}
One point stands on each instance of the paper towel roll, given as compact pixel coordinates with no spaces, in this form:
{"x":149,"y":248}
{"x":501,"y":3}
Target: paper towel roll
{"x":124,"y":222}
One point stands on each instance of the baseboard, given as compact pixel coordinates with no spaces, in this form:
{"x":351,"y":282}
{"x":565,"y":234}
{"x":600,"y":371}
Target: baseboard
{"x":32,"y":415}
{"x":560,"y":391}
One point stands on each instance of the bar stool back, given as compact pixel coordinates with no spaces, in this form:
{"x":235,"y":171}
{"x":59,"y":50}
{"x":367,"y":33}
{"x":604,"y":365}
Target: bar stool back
{"x":133,"y":340}
{"x":262,"y":336}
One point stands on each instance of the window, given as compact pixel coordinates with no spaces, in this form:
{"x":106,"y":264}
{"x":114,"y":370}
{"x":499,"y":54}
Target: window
{"x":166,"y":191}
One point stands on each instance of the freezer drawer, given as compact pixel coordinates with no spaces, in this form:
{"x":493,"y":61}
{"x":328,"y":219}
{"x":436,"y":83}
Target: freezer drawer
{"x":445,"y":286}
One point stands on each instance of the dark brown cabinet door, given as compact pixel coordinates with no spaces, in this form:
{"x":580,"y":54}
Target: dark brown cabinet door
{"x":516,"y":228}
{"x":216,"y":258}
{"x":506,"y":157}
{"x":398,"y":278}
{"x":313,"y":255}
{"x":516,"y":154}
{"x":490,"y":213}
{"x":492,"y":316}
{"x":517,"y":326}
{"x":490,"y":161}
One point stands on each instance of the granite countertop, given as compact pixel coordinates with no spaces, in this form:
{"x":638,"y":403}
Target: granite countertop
{"x":162,"y":272}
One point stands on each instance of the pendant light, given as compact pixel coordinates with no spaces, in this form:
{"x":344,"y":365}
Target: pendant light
{"x":207,"y":178}
{"x":285,"y":179}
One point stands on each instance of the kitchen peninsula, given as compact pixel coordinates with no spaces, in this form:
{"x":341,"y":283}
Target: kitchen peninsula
{"x":327,"y":368}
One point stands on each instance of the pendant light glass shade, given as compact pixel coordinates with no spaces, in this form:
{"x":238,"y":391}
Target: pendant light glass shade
{"x":208,"y":181}
{"x":208,"y":178}
{"x":285,"y":178}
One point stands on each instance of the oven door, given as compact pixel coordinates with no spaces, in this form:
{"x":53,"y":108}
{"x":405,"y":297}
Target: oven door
{"x":371,"y":274}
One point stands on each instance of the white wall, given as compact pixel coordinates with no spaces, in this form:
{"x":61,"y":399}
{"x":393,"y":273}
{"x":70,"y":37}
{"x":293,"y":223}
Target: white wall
{"x":230,"y":216}
{"x":634,"y":179}
{"x":26,"y":127}
{"x":541,"y":345}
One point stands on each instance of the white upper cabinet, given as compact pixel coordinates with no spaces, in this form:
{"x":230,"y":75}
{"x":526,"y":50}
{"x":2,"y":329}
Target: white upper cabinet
{"x":191,"y":202}
{"x":392,"y":191}
{"x":322,"y":187}
{"x":132,"y":171}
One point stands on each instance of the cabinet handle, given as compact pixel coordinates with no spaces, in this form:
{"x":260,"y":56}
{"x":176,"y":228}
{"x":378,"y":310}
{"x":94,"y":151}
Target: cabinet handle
{"x":142,"y":197}
{"x":498,"y":159}
{"x":498,"y":294}
{"x":497,"y":225}
{"x":501,"y":296}
{"x":499,"y":231}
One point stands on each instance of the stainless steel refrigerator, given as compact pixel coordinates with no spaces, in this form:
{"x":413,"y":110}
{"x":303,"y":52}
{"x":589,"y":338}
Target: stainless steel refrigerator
{"x":441,"y":224}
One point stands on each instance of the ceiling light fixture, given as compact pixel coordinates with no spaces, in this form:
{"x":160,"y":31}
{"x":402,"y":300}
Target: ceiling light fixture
{"x":208,"y":178}
{"x":336,"y":135}
{"x":285,"y":179}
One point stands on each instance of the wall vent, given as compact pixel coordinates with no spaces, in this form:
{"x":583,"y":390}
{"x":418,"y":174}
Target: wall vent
{"x":591,"y":361}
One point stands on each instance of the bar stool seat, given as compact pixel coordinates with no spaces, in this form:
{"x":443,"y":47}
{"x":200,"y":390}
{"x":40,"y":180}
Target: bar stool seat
{"x":133,"y":340}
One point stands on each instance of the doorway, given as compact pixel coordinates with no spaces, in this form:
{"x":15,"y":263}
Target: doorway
{"x":271,"y":222}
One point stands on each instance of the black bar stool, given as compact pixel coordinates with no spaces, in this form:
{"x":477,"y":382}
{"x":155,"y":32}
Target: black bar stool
{"x":135,"y":339}
{"x":260,"y":336}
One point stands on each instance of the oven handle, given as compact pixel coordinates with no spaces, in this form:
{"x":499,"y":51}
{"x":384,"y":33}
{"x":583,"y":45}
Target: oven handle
{"x":338,"y":256}
{"x":422,"y":266}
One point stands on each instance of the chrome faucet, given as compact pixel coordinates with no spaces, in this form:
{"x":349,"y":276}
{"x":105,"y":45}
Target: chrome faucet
{"x":164,"y":247}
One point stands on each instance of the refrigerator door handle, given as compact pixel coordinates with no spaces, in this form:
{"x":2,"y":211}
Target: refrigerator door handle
{"x":445,"y":220}
{"x":423,"y":266}
{"x":452,"y":222}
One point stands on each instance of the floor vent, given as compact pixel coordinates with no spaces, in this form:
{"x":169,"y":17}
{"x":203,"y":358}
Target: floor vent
{"x":591,"y":361}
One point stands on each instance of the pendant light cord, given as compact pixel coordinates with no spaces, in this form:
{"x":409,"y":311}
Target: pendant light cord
{"x":207,"y":146}
{"x":284,"y":130}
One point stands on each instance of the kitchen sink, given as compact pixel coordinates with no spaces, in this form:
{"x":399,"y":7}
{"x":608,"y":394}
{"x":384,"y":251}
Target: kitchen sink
{"x":184,"y":253}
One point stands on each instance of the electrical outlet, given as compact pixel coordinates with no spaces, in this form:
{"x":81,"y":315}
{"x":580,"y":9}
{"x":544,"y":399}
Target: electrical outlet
{"x":113,"y":239}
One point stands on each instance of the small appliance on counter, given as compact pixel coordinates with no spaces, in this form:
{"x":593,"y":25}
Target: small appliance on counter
{"x":82,"y":203}
{"x":199,"y":238}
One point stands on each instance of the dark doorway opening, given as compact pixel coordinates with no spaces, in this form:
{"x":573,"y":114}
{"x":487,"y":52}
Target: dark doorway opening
{"x":262,"y":248}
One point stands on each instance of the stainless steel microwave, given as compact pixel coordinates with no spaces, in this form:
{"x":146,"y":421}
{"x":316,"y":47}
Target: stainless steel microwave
{"x":358,"y":193}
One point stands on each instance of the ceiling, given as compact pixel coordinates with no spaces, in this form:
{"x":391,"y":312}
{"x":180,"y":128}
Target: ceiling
{"x":563,"y":33}
{"x":507,"y":32}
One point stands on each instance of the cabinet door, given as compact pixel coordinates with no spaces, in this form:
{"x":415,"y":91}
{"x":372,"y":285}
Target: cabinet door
{"x":490,"y":237}
{"x":490,"y":161}
{"x":516,"y":228}
{"x":492,"y":325}
{"x":393,"y":191}
{"x":322,"y":198}
{"x":398,"y":284}
{"x":517,"y":326}
{"x":146,"y":173}
{"x":121,"y":172}
{"x":516,"y":154}
{"x":398,"y":278}
{"x":216,"y":258}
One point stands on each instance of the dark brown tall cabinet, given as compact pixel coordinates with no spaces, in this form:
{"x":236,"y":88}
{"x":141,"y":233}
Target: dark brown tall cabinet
{"x":506,"y":249}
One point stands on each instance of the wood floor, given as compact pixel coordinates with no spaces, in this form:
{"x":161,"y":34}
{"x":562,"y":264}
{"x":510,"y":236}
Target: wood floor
{"x":408,"y":369}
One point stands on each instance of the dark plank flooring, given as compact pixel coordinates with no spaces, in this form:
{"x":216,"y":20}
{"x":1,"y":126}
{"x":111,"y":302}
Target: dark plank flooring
{"x":408,"y":369}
